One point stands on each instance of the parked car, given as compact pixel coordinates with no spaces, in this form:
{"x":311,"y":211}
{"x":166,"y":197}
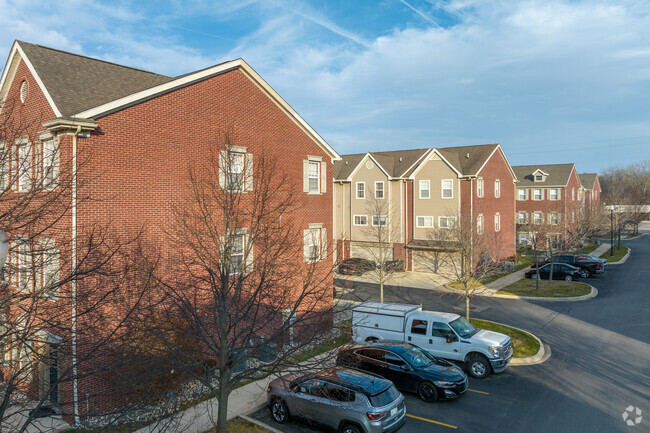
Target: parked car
{"x":590,"y":257}
{"x":561,"y":271}
{"x":341,"y":399}
{"x":356,"y":266}
{"x":394,"y":266}
{"x":587,"y":267}
{"x":409,"y":367}
{"x":443,"y":335}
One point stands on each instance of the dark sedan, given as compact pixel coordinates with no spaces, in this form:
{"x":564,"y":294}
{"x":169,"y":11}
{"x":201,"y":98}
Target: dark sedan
{"x":356,"y":266}
{"x":561,"y":271}
{"x":410,"y":368}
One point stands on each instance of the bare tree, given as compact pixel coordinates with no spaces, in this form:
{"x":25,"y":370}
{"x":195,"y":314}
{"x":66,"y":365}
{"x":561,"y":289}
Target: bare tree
{"x":246,"y":288}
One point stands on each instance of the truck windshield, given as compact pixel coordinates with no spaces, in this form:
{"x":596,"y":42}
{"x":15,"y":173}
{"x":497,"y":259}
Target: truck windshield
{"x":463,"y":327}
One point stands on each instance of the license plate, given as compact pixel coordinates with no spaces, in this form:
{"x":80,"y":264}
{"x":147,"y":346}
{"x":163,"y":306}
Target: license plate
{"x":393,"y":411}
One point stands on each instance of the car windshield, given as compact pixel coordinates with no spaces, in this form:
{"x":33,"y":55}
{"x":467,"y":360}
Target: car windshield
{"x":385,"y":397}
{"x":417,"y":357}
{"x":463,"y":327}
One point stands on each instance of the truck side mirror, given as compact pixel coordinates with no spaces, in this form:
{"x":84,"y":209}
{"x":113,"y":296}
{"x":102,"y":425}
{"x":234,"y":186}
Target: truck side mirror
{"x":451,"y":338}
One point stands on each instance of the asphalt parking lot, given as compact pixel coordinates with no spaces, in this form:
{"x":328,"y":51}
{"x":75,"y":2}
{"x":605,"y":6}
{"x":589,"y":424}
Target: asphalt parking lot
{"x":599,"y":366}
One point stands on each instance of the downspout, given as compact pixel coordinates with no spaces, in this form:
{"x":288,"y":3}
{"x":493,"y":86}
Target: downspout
{"x":74,"y":280}
{"x":471,"y":220}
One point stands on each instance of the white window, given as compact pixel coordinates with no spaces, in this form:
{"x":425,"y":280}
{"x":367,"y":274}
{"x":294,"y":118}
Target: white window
{"x":479,"y":224}
{"x":479,"y":187}
{"x":24,"y":263}
{"x":573,"y":194}
{"x":497,"y":222}
{"x":236,"y":246}
{"x":553,"y":194}
{"x":425,"y":189}
{"x":537,"y":194}
{"x":424,"y":221}
{"x":50,"y":266}
{"x":50,"y":164}
{"x":497,"y":188}
{"x":4,"y":166}
{"x":521,"y":194}
{"x":315,"y":243}
{"x":521,"y":217}
{"x":539,"y":178}
{"x":537,"y":218}
{"x":236,"y":169}
{"x":361,"y":190}
{"x":447,"y":188}
{"x":24,"y":167}
{"x":379,"y":220}
{"x":554,"y":218}
{"x":379,"y":190}
{"x":446,"y":222}
{"x":573,"y":216}
{"x":360,"y":220}
{"x":314,"y":177}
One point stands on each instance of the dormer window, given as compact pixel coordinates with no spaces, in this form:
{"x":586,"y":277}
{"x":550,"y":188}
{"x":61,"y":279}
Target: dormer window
{"x":539,"y":178}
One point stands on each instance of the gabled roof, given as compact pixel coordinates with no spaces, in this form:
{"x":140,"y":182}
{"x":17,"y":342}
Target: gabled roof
{"x":558,"y":175}
{"x":396,"y":164}
{"x":81,"y":87}
{"x":468,"y":160}
{"x":588,"y":180}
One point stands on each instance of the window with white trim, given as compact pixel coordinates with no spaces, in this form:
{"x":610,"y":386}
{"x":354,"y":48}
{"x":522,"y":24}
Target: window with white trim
{"x":479,"y":187}
{"x":379,"y":190}
{"x":236,"y":245}
{"x":479,"y":224}
{"x":446,"y":222}
{"x":447,"y":188}
{"x":424,"y":221}
{"x":537,"y":218}
{"x":314,"y":177}
{"x":554,"y":218}
{"x":537,"y":194}
{"x":50,"y":164}
{"x":379,"y":220}
{"x":521,"y":194}
{"x":315,"y":246}
{"x":497,"y":188}
{"x":573,"y":194}
{"x":24,"y":167}
{"x":521,"y":217}
{"x":4,"y":166}
{"x":553,"y":194}
{"x":50,"y":267}
{"x":361,"y":190}
{"x":24,"y":264}
{"x":425,"y":189}
{"x":360,"y":220}
{"x":497,"y":222}
{"x":236,"y":169}
{"x":573,"y":216}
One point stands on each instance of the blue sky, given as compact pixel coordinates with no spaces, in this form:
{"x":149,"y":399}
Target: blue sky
{"x":552,"y":81}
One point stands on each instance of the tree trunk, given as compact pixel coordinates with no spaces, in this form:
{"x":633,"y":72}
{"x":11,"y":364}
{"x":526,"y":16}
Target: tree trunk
{"x":467,"y":307}
{"x":222,"y":411}
{"x":381,"y":291}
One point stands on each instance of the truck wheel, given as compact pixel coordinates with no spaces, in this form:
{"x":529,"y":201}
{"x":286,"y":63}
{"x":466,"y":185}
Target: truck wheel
{"x":427,"y":392}
{"x":478,"y":367}
{"x":585,"y":273}
{"x":568,"y":278}
{"x":279,"y":411}
{"x":372,"y":340}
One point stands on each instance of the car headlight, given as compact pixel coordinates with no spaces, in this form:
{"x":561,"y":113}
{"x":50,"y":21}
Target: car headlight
{"x":442,"y":383}
{"x":495,"y":351}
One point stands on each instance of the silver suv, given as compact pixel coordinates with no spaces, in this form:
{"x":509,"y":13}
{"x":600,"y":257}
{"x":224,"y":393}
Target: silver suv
{"x":342,"y":399}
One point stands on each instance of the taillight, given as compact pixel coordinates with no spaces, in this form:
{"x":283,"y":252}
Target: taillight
{"x":351,"y":267}
{"x":597,"y":265}
{"x":376,"y":416}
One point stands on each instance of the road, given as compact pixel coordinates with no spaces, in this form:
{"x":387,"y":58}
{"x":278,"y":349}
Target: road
{"x":600,"y":361}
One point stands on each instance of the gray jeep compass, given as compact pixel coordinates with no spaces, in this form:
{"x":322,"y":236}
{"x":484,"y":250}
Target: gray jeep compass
{"x":343,"y":399}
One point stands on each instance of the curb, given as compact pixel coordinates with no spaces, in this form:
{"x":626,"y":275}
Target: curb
{"x":542,"y":354}
{"x":258,"y":422}
{"x":590,"y":295}
{"x":623,"y":260}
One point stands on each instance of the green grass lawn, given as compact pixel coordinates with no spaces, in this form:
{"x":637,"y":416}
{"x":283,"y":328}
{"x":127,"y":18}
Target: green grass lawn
{"x":618,"y":254}
{"x":523,"y":344}
{"x":587,"y":248}
{"x":523,"y":263}
{"x":240,"y":425}
{"x":550,"y":289}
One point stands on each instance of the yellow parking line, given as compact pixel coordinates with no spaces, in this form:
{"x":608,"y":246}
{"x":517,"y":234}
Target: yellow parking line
{"x":478,"y":392}
{"x":431,"y":421}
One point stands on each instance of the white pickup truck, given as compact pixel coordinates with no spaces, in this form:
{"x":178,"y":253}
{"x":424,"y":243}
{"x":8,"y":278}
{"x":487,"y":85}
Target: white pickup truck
{"x":444,"y":335}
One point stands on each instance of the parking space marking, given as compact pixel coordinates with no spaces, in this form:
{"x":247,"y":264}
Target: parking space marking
{"x":478,"y":392}
{"x":431,"y":421}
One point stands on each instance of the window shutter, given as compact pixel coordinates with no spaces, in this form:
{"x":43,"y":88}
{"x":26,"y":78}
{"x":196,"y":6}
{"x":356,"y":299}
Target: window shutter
{"x":29,"y":166}
{"x":14,"y":168}
{"x":4,"y":166}
{"x":39,"y":162}
{"x":249,"y":172}
{"x":56,"y":163}
{"x":249,"y":253}
{"x":223,"y":168}
{"x":323,"y":243}
{"x":306,"y":242}
{"x":559,"y":193}
{"x":323,"y":177}
{"x":305,"y":176}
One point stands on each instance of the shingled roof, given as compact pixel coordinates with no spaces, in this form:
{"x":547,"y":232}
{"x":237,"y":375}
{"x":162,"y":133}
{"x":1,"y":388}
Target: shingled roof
{"x":468,"y":160}
{"x":398,"y":163}
{"x":77,"y":83}
{"x":558,"y":175}
{"x":588,"y":180}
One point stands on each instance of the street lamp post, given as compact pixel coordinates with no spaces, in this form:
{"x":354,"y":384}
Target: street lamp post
{"x":611,"y":209}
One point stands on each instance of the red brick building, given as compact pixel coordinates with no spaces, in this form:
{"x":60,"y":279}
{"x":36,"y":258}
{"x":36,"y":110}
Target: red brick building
{"x":590,"y":191}
{"x":140,"y":130}
{"x":549,"y":196}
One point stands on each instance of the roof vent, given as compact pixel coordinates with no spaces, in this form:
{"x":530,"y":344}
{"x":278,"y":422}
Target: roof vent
{"x":346,"y":163}
{"x":400,"y":159}
{"x":23,"y":91}
{"x":467,"y":155}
